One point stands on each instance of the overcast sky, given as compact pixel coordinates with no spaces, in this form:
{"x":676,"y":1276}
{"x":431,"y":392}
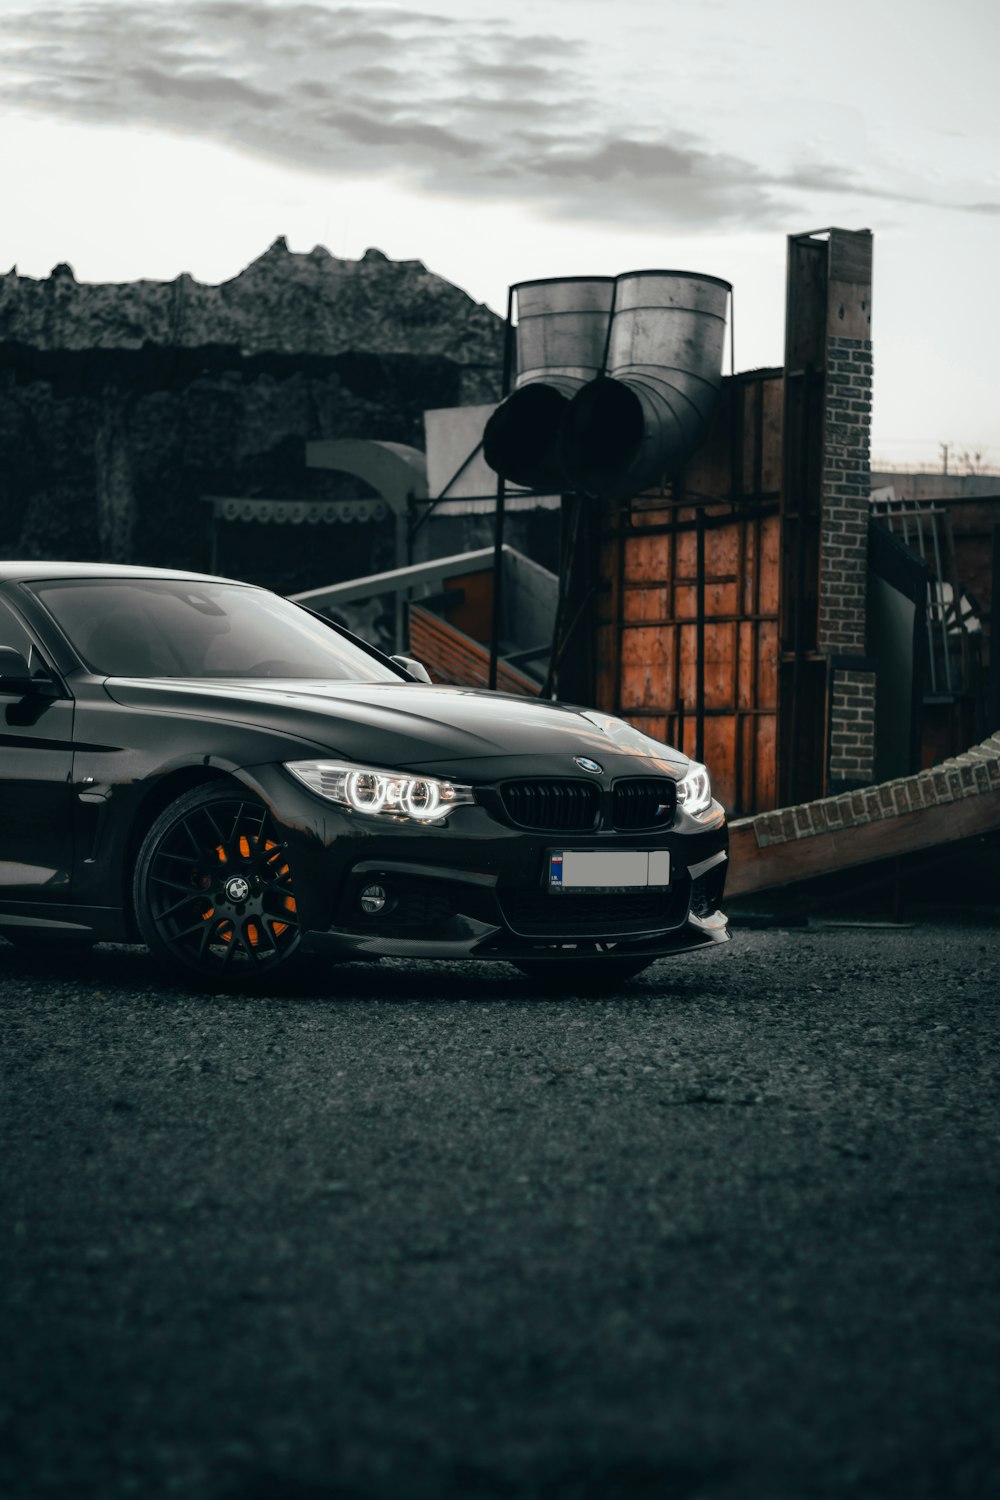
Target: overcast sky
{"x":142,"y":138}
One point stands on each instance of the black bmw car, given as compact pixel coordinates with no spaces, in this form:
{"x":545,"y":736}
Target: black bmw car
{"x":206,"y":767}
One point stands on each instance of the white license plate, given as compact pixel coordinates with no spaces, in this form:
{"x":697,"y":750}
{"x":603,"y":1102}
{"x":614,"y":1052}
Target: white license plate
{"x":608,"y":870}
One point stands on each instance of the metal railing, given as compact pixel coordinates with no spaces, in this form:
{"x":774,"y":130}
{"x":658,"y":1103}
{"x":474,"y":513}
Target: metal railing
{"x":925,"y":529}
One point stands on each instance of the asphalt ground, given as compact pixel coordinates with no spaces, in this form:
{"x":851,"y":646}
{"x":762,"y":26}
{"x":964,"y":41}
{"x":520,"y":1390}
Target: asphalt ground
{"x":419,"y":1231}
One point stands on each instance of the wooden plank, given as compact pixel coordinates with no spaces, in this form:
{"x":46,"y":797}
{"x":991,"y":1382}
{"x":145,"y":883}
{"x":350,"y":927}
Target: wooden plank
{"x":474,"y":616}
{"x":451,"y":656}
{"x":709,"y":468}
{"x":769,"y":569}
{"x":720,"y":748}
{"x":720,"y":666}
{"x":647,"y":558}
{"x":747,"y":655}
{"x":770,"y":477}
{"x":766,"y":778}
{"x":722,"y":570}
{"x":751,"y":396}
{"x":645,"y":667}
{"x":647,"y":603}
{"x":753,"y":869}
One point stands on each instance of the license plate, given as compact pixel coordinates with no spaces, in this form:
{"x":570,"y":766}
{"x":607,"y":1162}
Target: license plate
{"x":608,"y":870}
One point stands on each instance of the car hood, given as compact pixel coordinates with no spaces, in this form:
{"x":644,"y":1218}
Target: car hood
{"x":411,"y":725}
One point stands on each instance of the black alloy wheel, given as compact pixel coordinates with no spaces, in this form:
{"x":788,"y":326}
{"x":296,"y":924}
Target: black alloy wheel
{"x":213,"y":891}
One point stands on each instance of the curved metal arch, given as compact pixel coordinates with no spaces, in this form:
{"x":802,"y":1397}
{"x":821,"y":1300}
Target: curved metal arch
{"x":397,"y":472}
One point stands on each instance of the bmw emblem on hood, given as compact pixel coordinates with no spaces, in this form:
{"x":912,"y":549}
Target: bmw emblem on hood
{"x":588,"y":765}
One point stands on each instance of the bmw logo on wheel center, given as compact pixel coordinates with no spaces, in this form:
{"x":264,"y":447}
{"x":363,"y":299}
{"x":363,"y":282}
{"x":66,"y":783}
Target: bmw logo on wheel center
{"x":586,"y":764}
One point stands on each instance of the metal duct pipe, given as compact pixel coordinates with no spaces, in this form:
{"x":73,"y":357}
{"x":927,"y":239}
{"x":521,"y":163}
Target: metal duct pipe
{"x":623,"y":431}
{"x":562,"y":331}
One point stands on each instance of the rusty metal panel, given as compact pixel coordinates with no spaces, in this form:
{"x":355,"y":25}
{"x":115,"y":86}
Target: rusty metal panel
{"x":688,"y":631}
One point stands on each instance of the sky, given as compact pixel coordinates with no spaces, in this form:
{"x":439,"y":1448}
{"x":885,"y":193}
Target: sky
{"x":143,"y":138}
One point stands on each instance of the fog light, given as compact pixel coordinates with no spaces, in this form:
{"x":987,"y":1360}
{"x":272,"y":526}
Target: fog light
{"x":372,"y":899}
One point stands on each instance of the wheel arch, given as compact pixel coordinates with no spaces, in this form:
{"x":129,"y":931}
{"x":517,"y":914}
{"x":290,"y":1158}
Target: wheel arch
{"x":160,"y":795}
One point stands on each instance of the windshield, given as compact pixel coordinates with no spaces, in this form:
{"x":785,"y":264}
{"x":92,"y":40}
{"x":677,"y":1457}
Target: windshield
{"x":144,"y":627}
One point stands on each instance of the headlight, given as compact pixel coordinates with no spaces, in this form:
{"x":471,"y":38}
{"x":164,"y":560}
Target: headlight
{"x":694,"y":791}
{"x":393,"y":794}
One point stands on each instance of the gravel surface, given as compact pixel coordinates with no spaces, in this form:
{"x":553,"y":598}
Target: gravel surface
{"x":417,"y":1231}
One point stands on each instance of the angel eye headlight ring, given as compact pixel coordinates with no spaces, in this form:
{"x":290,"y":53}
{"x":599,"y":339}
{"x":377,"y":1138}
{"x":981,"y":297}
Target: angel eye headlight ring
{"x":365,"y":792}
{"x":694,"y":791}
{"x":374,"y":791}
{"x":422,"y":799}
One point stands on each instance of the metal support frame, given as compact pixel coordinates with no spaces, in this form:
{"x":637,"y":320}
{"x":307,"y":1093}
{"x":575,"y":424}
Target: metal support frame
{"x":938,"y":613}
{"x":802,"y":687}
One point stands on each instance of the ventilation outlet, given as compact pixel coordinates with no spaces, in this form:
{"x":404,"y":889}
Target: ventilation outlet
{"x":562,"y":333}
{"x":571,"y":424}
{"x":623,"y":433}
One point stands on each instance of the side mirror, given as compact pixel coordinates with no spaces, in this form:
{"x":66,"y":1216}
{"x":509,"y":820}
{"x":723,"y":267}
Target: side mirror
{"x":15,"y":674}
{"x":409,"y":664}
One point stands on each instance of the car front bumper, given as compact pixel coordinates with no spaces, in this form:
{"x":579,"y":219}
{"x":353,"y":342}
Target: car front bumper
{"x":477,"y":888}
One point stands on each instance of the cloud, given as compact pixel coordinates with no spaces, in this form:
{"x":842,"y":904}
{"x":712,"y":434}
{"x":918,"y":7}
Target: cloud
{"x":457,"y":105}
{"x":512,"y":74}
{"x":400,"y":135}
{"x":199,"y":87}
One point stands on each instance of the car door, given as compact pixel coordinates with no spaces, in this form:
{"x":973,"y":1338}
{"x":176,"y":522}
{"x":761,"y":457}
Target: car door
{"x":36,"y":758}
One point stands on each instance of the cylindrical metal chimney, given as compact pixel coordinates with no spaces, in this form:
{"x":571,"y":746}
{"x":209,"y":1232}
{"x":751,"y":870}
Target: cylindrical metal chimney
{"x":562,"y":332}
{"x":623,"y":432}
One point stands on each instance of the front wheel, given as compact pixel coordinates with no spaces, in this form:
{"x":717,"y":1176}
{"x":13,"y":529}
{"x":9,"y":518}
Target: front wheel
{"x":213,"y":891}
{"x":582,"y":974}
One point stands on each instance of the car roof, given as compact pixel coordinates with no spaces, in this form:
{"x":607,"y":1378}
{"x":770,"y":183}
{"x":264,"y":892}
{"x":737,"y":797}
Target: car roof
{"x":35,"y":572}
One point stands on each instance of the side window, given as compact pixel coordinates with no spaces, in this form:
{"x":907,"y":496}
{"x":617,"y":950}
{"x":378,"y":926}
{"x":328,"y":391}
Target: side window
{"x":14,"y":634}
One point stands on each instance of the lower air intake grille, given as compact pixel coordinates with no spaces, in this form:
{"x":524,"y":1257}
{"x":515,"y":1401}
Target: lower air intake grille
{"x":557,"y":806}
{"x":538,"y":914}
{"x":644,"y":802}
{"x":418,"y":909}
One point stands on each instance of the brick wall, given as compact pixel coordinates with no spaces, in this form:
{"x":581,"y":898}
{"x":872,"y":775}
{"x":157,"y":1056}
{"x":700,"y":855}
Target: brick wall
{"x":852,"y":726}
{"x":826,"y":436}
{"x":846,"y":486}
{"x":971,"y":774}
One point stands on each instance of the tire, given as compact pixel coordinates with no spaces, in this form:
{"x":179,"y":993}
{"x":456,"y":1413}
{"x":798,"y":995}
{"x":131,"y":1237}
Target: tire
{"x":583,"y":974}
{"x":213,"y":893}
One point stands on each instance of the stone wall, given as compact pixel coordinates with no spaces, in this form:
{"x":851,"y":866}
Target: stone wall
{"x":122,"y":406}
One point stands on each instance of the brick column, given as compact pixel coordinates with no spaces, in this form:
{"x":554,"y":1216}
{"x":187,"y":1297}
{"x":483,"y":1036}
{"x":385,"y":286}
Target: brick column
{"x":851,"y":755}
{"x":846,"y":486}
{"x":827,"y":685}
